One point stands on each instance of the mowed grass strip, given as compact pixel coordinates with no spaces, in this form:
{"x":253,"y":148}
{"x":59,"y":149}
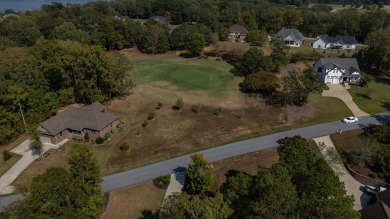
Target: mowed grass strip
{"x":185,"y":74}
{"x":370,"y":98}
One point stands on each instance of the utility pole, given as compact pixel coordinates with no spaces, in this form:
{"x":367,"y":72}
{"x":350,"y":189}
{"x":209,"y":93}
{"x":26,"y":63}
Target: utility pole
{"x":21,"y":112}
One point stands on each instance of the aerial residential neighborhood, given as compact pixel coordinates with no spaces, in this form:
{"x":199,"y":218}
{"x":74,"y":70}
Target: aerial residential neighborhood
{"x":194,"y":109}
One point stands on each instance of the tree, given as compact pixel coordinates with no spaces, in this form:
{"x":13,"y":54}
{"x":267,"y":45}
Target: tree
{"x":23,"y":31}
{"x":383,"y":161}
{"x":279,"y":52}
{"x":86,"y":179}
{"x":298,"y":85}
{"x":6,"y":155}
{"x":154,"y":39}
{"x":274,"y":195}
{"x":362,"y":153}
{"x":261,"y":82}
{"x":36,"y":144}
{"x":254,"y":60}
{"x":51,"y":195}
{"x":257,"y":38}
{"x":192,"y":207}
{"x":68,"y":31}
{"x":195,"y":44}
{"x":199,"y":175}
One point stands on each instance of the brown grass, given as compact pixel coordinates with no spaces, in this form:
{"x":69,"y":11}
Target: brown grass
{"x":346,"y":140}
{"x":247,"y":163}
{"x":130,"y":202}
{"x":175,"y":133}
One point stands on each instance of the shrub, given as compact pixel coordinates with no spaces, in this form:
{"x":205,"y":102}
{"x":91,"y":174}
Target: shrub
{"x":151,"y":116}
{"x":107,"y":136}
{"x":373,"y":175}
{"x":380,"y":175}
{"x":159,"y":105}
{"x":6,"y":155}
{"x":99,"y":140}
{"x":196,"y":108}
{"x":179,"y":104}
{"x":124,"y":146}
{"x":164,"y":179}
{"x":86,"y":136}
{"x":146,"y":123}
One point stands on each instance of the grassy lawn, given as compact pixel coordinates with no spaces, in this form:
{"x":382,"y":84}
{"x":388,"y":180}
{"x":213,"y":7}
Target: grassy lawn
{"x":326,"y":109}
{"x":345,"y":141}
{"x":134,"y":201}
{"x":370,"y":98}
{"x":185,"y":74}
{"x":5,"y":165}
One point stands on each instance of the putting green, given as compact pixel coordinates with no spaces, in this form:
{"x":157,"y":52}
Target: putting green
{"x":185,"y":74}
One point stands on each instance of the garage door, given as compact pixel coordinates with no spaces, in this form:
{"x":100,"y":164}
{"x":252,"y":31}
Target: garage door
{"x":45,"y":139}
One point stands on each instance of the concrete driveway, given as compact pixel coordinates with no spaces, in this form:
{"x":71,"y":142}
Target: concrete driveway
{"x":339,"y":91}
{"x":352,"y":186}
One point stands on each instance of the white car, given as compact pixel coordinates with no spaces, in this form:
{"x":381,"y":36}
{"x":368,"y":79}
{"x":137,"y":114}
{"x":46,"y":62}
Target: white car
{"x":350,"y":119}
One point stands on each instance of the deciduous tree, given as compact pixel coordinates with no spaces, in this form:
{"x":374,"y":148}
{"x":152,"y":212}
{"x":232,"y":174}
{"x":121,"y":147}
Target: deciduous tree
{"x":199,"y":175}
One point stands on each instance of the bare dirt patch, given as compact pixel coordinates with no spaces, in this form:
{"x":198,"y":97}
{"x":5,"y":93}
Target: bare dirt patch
{"x":134,"y":202}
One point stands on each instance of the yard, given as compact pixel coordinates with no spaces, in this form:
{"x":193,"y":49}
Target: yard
{"x":225,"y":114}
{"x":137,"y":201}
{"x":370,"y":98}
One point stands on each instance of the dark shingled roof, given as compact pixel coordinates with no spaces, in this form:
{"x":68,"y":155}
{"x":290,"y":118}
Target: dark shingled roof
{"x":379,"y":210}
{"x":295,"y":34}
{"x":349,"y":64}
{"x":238,"y":29}
{"x":96,"y":106}
{"x":339,"y":39}
{"x":90,"y":117}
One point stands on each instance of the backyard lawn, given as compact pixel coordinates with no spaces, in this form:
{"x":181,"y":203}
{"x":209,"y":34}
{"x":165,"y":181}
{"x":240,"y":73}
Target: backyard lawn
{"x":370,"y":98}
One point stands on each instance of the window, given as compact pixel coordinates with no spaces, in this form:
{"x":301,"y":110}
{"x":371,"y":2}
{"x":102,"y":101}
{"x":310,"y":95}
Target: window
{"x":93,"y":132}
{"x":60,"y":133}
{"x":328,"y":77}
{"x":334,"y":70}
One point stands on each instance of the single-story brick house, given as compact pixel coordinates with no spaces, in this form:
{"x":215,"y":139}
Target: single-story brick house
{"x":75,"y":122}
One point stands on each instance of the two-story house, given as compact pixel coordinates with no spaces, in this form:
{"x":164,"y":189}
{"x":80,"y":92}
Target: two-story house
{"x":338,"y":70}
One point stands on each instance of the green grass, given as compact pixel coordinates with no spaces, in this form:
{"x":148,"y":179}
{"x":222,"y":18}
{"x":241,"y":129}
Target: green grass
{"x":370,"y":98}
{"x":185,"y":74}
{"x":327,"y":109}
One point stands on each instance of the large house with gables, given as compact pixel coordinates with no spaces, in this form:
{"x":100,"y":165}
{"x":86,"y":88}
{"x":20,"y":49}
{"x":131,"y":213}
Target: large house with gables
{"x":337,"y":42}
{"x":338,"y":70}
{"x":76,"y":122}
{"x":291,"y":37}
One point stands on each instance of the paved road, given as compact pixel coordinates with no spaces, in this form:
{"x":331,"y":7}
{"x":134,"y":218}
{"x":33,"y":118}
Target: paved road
{"x":138,"y":175}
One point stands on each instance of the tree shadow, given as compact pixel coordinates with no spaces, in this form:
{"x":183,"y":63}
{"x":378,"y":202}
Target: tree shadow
{"x":148,"y":214}
{"x":235,"y":72}
{"x":382,"y":79}
{"x":382,"y":118}
{"x":186,"y":55}
{"x":365,"y":96}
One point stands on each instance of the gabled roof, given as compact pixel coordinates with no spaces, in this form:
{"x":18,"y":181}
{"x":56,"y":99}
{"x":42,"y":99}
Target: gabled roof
{"x":79,"y":119}
{"x":238,"y":29}
{"x":349,"y":64}
{"x":293,"y":33}
{"x":339,"y":39}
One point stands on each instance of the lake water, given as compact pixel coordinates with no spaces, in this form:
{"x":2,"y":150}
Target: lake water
{"x":28,"y":5}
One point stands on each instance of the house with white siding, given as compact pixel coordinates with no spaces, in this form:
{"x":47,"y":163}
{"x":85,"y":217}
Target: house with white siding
{"x":338,"y":70}
{"x":291,"y":37}
{"x":337,"y":42}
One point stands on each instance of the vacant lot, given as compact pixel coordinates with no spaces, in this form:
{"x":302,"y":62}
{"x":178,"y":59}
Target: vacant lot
{"x":224,"y":114}
{"x":137,"y":201}
{"x":371,"y":98}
